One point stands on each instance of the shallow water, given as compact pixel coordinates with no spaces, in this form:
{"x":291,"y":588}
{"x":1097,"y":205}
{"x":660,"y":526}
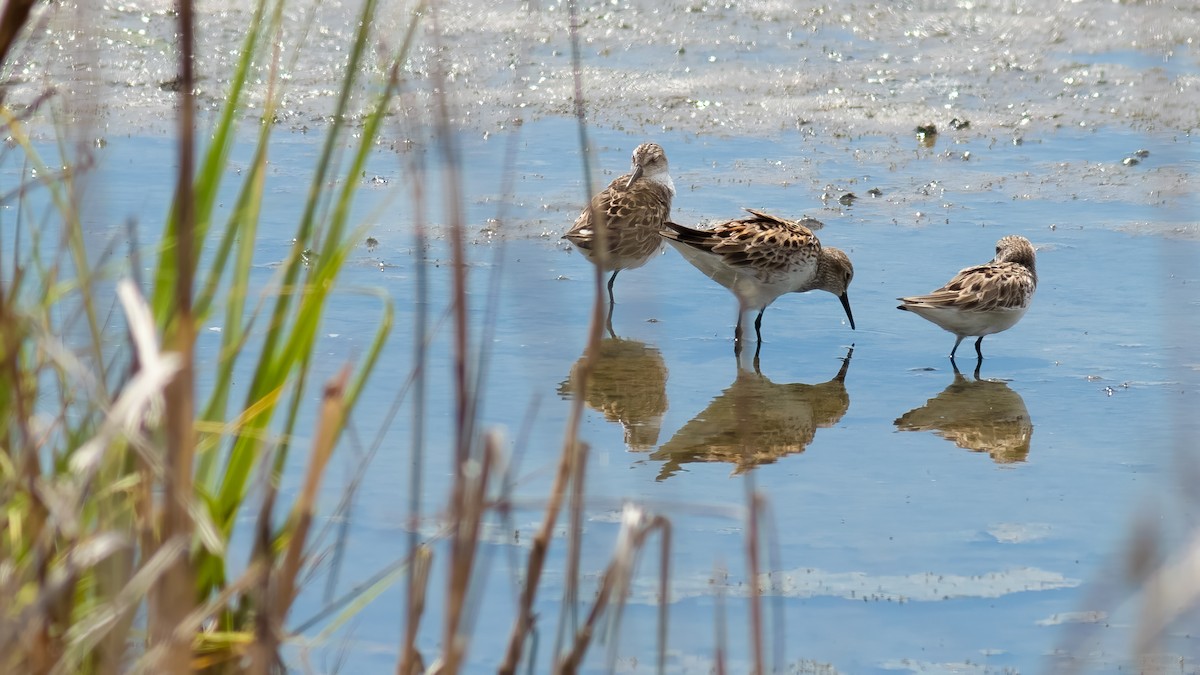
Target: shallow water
{"x":919,"y":520}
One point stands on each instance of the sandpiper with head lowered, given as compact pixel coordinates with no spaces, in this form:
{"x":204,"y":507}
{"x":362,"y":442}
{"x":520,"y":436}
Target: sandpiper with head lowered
{"x":631,"y":211}
{"x":761,"y":257}
{"x":985,"y":299}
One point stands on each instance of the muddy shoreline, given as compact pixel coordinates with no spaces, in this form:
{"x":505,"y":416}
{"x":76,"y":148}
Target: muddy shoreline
{"x":756,"y":68}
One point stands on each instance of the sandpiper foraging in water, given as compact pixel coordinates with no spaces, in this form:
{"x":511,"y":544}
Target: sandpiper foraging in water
{"x":632,"y":209}
{"x":984,"y":299}
{"x":760,"y":258}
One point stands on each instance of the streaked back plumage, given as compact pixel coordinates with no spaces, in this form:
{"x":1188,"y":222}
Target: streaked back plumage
{"x":763,"y":256}
{"x":984,"y":299}
{"x":632,"y":209}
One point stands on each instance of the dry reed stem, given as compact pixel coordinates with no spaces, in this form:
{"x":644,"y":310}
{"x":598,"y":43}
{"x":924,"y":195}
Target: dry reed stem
{"x":571,"y":459}
{"x":574,"y":537}
{"x":646,"y":526}
{"x":775,"y":555}
{"x":475,"y":476}
{"x":266,"y":639}
{"x":539,"y":547}
{"x":174,"y":597}
{"x":664,"y":591}
{"x":1169,"y":592}
{"x":462,"y":550}
{"x":12,"y":19}
{"x":617,"y":581}
{"x":720,"y":638}
{"x":569,"y":663}
{"x":193,"y":623}
{"x":333,"y":415}
{"x":276,"y":588}
{"x":756,"y":617}
{"x":98,"y":625}
{"x":411,"y":662}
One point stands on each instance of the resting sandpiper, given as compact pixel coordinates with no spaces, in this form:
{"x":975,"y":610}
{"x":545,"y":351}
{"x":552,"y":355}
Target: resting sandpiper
{"x":631,"y":211}
{"x":982,"y":300}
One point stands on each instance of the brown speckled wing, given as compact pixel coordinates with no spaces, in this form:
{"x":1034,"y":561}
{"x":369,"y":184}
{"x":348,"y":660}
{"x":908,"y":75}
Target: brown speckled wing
{"x":983,"y":288}
{"x":581,"y":233}
{"x":763,"y":240}
{"x":633,"y":217}
{"x":753,"y":242}
{"x":645,"y":204}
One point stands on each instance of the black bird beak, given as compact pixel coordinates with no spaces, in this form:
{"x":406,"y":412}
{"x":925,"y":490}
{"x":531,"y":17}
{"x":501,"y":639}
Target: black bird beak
{"x":846,"y":305}
{"x":637,"y":173}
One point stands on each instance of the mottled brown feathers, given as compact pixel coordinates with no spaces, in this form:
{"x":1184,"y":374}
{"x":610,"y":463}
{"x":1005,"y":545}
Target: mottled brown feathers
{"x":984,"y":299}
{"x":759,"y":240}
{"x":983,"y":288}
{"x":1005,"y":283}
{"x":632,"y":209}
{"x":761,"y":257}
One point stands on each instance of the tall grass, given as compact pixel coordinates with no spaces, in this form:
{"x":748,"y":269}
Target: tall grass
{"x":121,"y":483}
{"x":120,"y":488}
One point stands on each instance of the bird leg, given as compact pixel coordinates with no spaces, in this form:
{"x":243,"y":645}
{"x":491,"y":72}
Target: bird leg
{"x":758,"y":325}
{"x":737,"y":336}
{"x":979,"y":347}
{"x":611,"y":302}
{"x":956,"y":343}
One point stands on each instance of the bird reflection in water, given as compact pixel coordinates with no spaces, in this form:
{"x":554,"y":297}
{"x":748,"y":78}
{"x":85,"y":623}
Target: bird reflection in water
{"x":756,"y":421}
{"x":978,"y":415}
{"x":628,"y":385}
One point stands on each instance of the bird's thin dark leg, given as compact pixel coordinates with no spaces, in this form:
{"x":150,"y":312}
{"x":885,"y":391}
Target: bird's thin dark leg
{"x":737,"y":336}
{"x":758,"y":325}
{"x":956,"y":343}
{"x":978,"y":365}
{"x":611,"y":302}
{"x":979,"y":347}
{"x":608,"y":322}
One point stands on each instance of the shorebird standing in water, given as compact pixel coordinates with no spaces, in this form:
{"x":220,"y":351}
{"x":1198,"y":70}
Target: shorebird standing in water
{"x":632,"y":209}
{"x":760,"y":258}
{"x":985,"y":299}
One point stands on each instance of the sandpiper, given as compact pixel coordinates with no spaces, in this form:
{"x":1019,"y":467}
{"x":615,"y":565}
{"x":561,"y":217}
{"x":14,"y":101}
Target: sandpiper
{"x":631,"y":210}
{"x":762,"y":257}
{"x":982,"y":300}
